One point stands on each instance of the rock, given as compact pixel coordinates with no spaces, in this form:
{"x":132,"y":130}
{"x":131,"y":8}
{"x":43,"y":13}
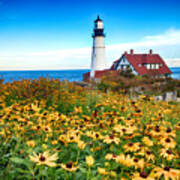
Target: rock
{"x":170,"y":96}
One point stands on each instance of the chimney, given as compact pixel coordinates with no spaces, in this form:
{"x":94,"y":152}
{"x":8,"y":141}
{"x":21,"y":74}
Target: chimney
{"x":150,"y":52}
{"x":131,"y":51}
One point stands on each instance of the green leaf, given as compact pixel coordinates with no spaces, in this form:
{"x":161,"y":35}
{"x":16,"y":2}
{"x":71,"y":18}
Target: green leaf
{"x":19,"y":161}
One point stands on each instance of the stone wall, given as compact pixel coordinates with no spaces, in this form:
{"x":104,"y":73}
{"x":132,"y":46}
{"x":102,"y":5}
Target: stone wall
{"x":168,"y":96}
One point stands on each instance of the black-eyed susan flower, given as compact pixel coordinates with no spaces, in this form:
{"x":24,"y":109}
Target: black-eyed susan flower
{"x":169,"y":132}
{"x":31,"y":143}
{"x":168,"y":142}
{"x":177,"y":126}
{"x":156,"y":131}
{"x":108,"y":139}
{"x":131,"y":147}
{"x":111,"y":156}
{"x":69,"y":167}
{"x":125,"y":160}
{"x":147,"y":141}
{"x":166,"y":172}
{"x":167,"y":154}
{"x":149,"y":155}
{"x":141,"y":176}
{"x":44,"y":158}
{"x":138,"y":163}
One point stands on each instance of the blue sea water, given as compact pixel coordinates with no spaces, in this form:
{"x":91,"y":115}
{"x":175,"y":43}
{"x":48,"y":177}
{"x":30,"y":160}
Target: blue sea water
{"x":70,"y":75}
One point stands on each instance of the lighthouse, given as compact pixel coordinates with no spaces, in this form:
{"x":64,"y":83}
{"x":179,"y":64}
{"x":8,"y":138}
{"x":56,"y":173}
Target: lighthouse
{"x":98,"y":50}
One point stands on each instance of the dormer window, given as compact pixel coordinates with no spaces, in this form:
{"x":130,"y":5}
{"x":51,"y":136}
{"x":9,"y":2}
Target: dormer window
{"x":151,"y":66}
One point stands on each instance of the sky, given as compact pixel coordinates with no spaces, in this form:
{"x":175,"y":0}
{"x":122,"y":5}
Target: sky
{"x":56,"y":34}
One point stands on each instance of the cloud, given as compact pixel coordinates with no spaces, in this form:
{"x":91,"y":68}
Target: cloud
{"x":170,"y":37}
{"x":166,"y":44}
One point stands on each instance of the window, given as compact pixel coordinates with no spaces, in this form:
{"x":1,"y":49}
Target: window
{"x":153,"y":66}
{"x":157,"y":66}
{"x":139,"y":65}
{"x":148,"y":66}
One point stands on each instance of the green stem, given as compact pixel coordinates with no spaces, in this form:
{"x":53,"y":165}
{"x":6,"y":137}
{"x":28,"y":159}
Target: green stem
{"x":67,"y":176}
{"x":33,"y":173}
{"x":78,"y":154}
{"x":73,"y":175}
{"x":88,"y":174}
{"x":122,"y":172}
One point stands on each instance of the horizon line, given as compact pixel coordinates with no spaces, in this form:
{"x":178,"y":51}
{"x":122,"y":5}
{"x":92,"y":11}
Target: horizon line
{"x":60,"y":69}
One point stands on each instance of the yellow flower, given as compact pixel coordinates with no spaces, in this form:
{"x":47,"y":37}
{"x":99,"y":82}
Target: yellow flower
{"x":31,"y":143}
{"x":44,"y":158}
{"x":167,"y":172}
{"x":35,"y":108}
{"x":81,"y":144}
{"x":125,"y":160}
{"x":62,"y":117}
{"x":102,"y":171}
{"x":111,"y":156}
{"x":54,"y":142}
{"x":112,"y":173}
{"x":168,"y":142}
{"x":166,"y":153}
{"x":69,"y":167}
{"x":111,"y":139}
{"x":44,"y":146}
{"x":177,"y":127}
{"x":149,"y":155}
{"x":132,"y":147}
{"x":78,"y":109}
{"x":89,"y":160}
{"x":142,"y":176}
{"x":107,"y":164}
{"x":169,"y":132}
{"x":147,"y":141}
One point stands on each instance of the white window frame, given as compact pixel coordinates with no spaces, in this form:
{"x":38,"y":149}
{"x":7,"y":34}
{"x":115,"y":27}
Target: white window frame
{"x":157,"y":66}
{"x":148,"y":66}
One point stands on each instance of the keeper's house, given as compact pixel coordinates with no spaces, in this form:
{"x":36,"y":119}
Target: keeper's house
{"x":141,"y":64}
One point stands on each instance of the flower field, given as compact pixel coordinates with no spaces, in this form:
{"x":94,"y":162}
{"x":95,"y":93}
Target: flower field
{"x":58,"y":130}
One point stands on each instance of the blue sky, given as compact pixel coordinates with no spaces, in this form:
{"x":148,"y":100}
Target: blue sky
{"x":52,"y":34}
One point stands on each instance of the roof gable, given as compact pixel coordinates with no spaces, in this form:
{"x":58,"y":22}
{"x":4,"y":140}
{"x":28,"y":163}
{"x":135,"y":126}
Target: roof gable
{"x":136,"y":59}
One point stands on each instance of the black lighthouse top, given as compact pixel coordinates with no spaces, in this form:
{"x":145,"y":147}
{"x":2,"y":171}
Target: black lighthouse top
{"x":98,"y":29}
{"x":98,"y":19}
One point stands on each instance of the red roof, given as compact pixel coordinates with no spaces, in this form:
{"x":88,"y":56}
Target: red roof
{"x":98,"y":74}
{"x":136,"y":59}
{"x":112,"y":67}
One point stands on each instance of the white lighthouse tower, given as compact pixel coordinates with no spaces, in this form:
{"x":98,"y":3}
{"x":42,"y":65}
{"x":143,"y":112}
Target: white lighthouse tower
{"x":98,"y":51}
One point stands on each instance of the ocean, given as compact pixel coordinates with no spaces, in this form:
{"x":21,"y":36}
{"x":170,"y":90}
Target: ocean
{"x":70,"y":75}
